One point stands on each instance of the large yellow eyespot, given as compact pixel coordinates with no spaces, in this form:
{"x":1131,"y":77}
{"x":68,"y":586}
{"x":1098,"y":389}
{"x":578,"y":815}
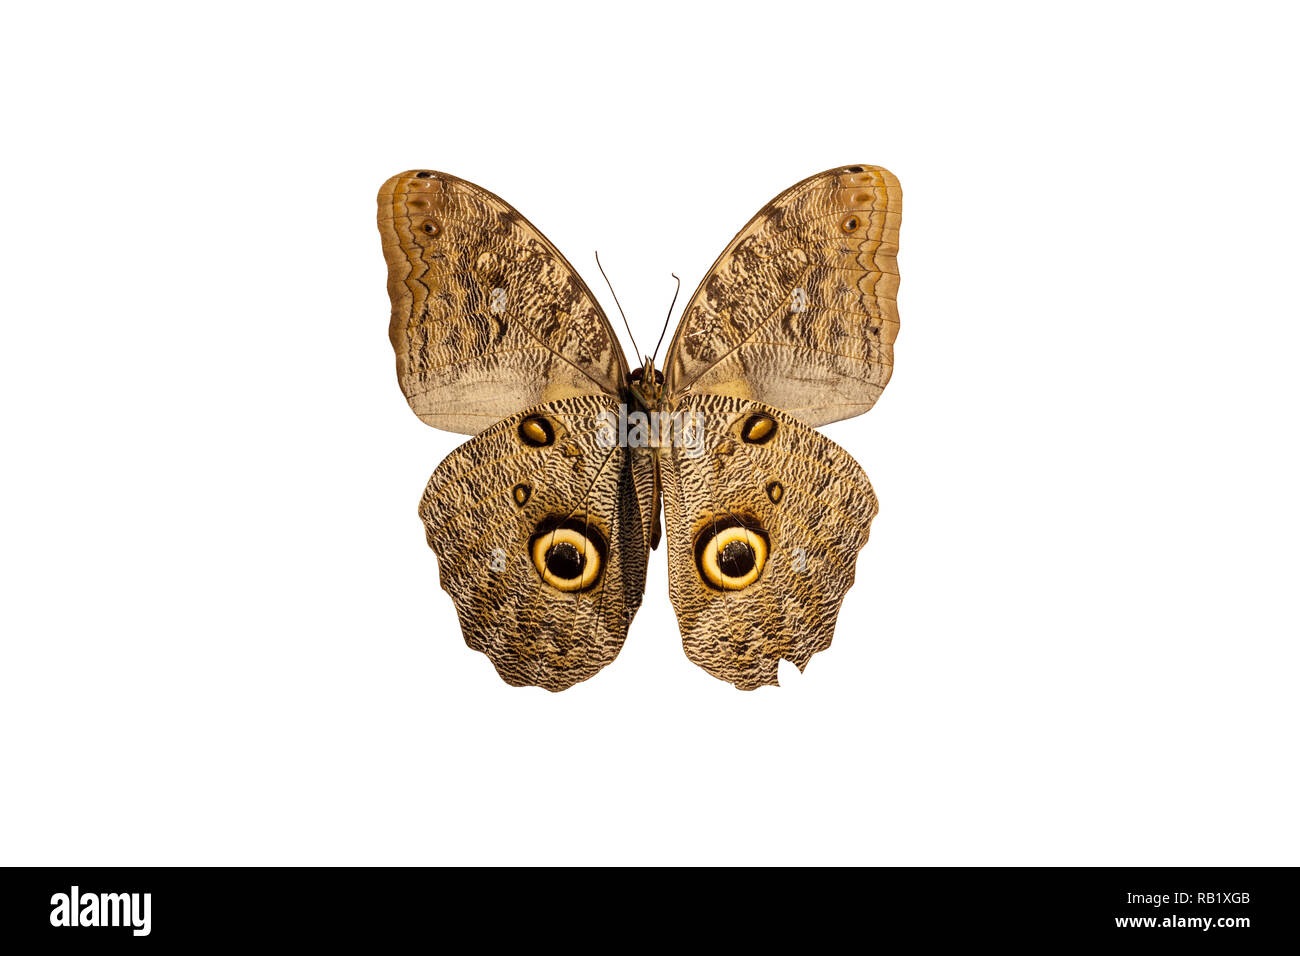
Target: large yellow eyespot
{"x":731,"y":558}
{"x":567,"y":558}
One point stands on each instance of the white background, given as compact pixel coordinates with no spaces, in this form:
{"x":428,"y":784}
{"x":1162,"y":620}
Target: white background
{"x":1073,"y":636}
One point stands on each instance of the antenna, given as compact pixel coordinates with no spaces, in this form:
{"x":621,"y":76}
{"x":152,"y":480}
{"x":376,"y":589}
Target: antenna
{"x":635,"y":349}
{"x":666,"y":318}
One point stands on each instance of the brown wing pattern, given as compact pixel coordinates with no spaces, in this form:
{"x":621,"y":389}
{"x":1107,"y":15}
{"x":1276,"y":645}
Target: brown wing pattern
{"x":488,"y":318}
{"x":765,"y":520}
{"x":799,"y":310}
{"x":518,"y":516}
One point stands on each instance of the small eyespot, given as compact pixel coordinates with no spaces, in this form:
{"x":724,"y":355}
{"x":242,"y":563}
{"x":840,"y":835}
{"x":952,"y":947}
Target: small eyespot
{"x":568,"y":556}
{"x":731,"y":558}
{"x":775,"y":491}
{"x":850,"y":223}
{"x":536,"y":432}
{"x":424,"y":175}
{"x":430,"y":227}
{"x":521,"y":494}
{"x":758,"y":429}
{"x":853,"y":169}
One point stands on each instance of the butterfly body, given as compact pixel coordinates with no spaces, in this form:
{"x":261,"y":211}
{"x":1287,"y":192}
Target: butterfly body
{"x":544,"y":520}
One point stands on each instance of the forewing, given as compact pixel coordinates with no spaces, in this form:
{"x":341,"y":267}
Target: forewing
{"x":799,"y":311}
{"x":488,"y":317}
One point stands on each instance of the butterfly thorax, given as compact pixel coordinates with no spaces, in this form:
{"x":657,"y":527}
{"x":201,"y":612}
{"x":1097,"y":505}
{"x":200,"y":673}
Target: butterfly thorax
{"x":646,"y":386}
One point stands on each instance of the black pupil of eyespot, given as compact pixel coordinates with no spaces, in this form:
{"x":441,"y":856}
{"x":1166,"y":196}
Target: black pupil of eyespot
{"x":736,"y":559}
{"x":564,"y":560}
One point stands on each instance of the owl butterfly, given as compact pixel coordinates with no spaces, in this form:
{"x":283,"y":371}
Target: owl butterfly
{"x":544,"y":520}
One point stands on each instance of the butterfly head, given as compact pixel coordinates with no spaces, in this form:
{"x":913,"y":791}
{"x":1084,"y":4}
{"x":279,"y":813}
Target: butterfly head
{"x":647,"y":385}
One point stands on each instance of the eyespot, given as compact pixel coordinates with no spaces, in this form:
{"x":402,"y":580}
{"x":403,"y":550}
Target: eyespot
{"x":569,"y":556}
{"x":430,"y":227}
{"x":758,"y":429}
{"x":424,"y":175}
{"x":521,"y":494}
{"x":853,"y":169}
{"x":775,"y":491}
{"x":731,"y":557}
{"x":850,"y":223}
{"x":536,"y":432}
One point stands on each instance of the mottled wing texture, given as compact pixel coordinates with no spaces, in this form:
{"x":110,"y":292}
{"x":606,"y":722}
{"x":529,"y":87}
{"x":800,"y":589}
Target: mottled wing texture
{"x":488,"y":318}
{"x":522,"y":489}
{"x":798,"y":496}
{"x":799,"y":311}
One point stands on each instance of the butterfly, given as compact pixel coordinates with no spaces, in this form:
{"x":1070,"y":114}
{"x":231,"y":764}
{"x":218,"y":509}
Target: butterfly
{"x":544,"y":521}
